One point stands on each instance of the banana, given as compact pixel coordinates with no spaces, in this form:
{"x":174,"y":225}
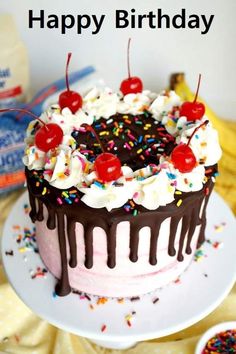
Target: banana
{"x":226,"y":181}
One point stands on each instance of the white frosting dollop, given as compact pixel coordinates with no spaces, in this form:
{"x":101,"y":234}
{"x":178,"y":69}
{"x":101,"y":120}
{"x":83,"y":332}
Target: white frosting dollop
{"x":185,"y":182}
{"x":65,"y":119}
{"x":154,"y":191}
{"x":174,"y":126}
{"x":191,"y":181}
{"x":163,"y":104}
{"x":34,"y":158}
{"x":100,"y":103}
{"x":111,"y":195}
{"x":64,"y":167}
{"x":69,"y":121}
{"x":135,"y":103}
{"x":105,"y":103}
{"x":205,"y":143}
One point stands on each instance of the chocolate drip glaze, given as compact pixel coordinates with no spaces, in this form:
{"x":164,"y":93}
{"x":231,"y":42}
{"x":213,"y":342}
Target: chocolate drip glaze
{"x":193,"y":222}
{"x":88,"y":239}
{"x":40,"y":211}
{"x":63,"y":286}
{"x":134,"y":240}
{"x":184,"y":229}
{"x":201,"y":238}
{"x":51,"y":221}
{"x":111,"y":246}
{"x":188,"y":212}
{"x":173,"y":228}
{"x":72,"y":243}
{"x":153,"y":242}
{"x":33,"y":213}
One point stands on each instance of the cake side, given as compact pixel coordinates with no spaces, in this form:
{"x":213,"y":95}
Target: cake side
{"x":145,"y":253}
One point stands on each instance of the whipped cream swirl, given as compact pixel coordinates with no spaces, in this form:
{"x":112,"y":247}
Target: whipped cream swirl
{"x":154,"y":191}
{"x":111,"y":195}
{"x":163,"y":104}
{"x":205,"y":143}
{"x":64,"y":167}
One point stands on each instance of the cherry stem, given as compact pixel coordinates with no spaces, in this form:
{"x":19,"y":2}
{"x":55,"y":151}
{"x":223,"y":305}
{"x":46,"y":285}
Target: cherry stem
{"x":24,"y":111}
{"x":198,"y":86}
{"x":128,"y":61}
{"x":90,"y":129}
{"x":67,"y":69}
{"x":196,"y":129}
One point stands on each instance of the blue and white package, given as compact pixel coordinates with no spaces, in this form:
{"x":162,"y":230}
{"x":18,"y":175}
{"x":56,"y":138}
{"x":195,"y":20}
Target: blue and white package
{"x":13,"y":125}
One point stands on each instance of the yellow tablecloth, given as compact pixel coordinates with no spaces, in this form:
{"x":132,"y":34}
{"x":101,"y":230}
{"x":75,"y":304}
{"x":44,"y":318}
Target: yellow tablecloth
{"x":23,"y":332}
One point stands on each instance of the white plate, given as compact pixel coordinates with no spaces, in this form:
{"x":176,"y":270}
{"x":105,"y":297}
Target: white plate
{"x":200,"y":289}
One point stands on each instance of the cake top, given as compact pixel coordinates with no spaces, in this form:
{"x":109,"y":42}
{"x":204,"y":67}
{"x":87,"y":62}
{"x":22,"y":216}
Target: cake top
{"x":142,"y":130}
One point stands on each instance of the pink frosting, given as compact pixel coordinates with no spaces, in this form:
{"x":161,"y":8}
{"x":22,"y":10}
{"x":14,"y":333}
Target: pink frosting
{"x":127,"y":278}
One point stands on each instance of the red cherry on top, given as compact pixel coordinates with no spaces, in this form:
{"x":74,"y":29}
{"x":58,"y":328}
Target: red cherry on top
{"x":47,"y":137}
{"x":70,"y":99}
{"x":183,"y":158}
{"x":182,"y":155}
{"x":107,"y":167}
{"x":131,"y":84}
{"x":193,"y":110}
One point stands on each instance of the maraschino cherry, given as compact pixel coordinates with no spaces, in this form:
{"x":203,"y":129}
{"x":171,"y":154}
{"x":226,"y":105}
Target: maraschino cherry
{"x":131,"y":84}
{"x":70,"y":99}
{"x":107,"y":166}
{"x":193,"y":110}
{"x":47,"y":137}
{"x":182,"y":155}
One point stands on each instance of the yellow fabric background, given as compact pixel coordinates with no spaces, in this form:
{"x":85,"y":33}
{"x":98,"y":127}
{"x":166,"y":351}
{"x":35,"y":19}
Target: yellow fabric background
{"x":22,"y":332}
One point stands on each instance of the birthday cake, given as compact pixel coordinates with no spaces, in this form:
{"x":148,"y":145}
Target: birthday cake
{"x":118,"y":186}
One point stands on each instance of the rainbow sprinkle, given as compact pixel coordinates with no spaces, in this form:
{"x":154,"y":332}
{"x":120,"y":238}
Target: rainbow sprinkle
{"x":129,"y":318}
{"x":222,"y":342}
{"x":9,"y":253}
{"x":180,"y":201}
{"x":220,"y":227}
{"x":199,"y":255}
{"x":26,"y":208}
{"x":103,"y":328}
{"x":120,"y":300}
{"x":131,"y":207}
{"x":215,"y":244}
{"x":101,"y":300}
{"x":25,"y":238}
{"x":39,"y":273}
{"x":177,"y":281}
{"x":155,"y":300}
